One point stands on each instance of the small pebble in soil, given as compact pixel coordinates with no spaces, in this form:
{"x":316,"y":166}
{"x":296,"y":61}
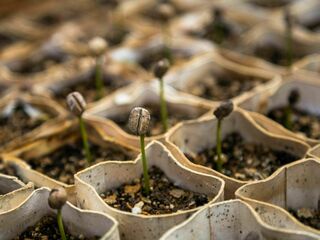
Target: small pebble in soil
{"x":64,"y":162}
{"x":16,"y":125}
{"x":47,"y":229}
{"x":243,"y":160}
{"x":164,"y":197}
{"x":156,"y":127}
{"x":307,"y":216}
{"x":303,"y":122}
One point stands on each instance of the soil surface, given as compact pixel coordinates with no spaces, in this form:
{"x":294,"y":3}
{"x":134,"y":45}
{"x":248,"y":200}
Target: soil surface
{"x":156,"y":128}
{"x":16,"y":125}
{"x":66,"y":161}
{"x":164,"y":196}
{"x":244,"y":161}
{"x":88,"y":88}
{"x":307,"y":216}
{"x":7,"y":169}
{"x":220,"y":88}
{"x":303,"y":122}
{"x":47,"y":229}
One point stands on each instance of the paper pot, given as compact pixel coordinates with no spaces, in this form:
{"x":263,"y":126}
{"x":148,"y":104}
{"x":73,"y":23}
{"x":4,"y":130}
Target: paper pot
{"x":68,"y":133}
{"x":119,"y":105}
{"x":265,"y":101}
{"x":106,"y":176}
{"x":194,"y":136}
{"x":58,"y":81}
{"x":190,"y":76}
{"x":293,"y":186}
{"x":267,"y":40}
{"x":232,"y":219}
{"x":314,"y":152}
{"x":310,"y":63}
{"x":76,"y":221}
{"x":36,"y":106}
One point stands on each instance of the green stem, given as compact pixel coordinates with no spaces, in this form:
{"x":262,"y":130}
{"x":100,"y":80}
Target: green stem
{"x":288,"y":118}
{"x":218,"y":33}
{"x":289,"y":46}
{"x":99,"y":78}
{"x":60,"y":225}
{"x":163,"y":107}
{"x":146,"y":185}
{"x":85,"y":141}
{"x":218,"y":147}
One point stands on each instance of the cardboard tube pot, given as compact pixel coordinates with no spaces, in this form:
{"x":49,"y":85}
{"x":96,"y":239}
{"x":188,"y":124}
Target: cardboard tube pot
{"x":118,"y":106}
{"x":78,"y":75}
{"x":308,"y":88}
{"x":76,"y":221}
{"x":211,"y":71}
{"x":233,"y":219}
{"x":293,"y":186}
{"x":68,"y":133}
{"x":109,"y":175}
{"x":267,"y":40}
{"x":310,"y":64}
{"x":314,"y":152}
{"x":36,"y":106}
{"x":192,"y":137}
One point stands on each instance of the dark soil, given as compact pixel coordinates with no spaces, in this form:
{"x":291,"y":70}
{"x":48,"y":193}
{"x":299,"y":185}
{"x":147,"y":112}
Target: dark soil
{"x":16,"y":125}
{"x":309,"y":217}
{"x":47,"y":229}
{"x":244,"y":160}
{"x":270,"y":3}
{"x":155,"y":128}
{"x":313,"y":26}
{"x":220,"y":88}
{"x":303,"y":122}
{"x":164,"y":196}
{"x":66,"y":161}
{"x":88,"y":88}
{"x":7,"y":169}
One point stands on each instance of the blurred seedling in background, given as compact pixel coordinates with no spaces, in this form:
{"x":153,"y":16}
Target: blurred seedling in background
{"x":293,"y":99}
{"x":139,"y":121}
{"x":288,"y":20}
{"x":220,"y":113}
{"x":77,"y":106}
{"x":57,"y":199}
{"x":159,"y":71}
{"x":98,"y":47}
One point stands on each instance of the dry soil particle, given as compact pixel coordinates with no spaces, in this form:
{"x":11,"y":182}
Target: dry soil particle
{"x":244,"y":160}
{"x":307,"y":216}
{"x":164,"y":196}
{"x":66,"y":161}
{"x":47,"y":229}
{"x":303,"y":122}
{"x":156,"y":128}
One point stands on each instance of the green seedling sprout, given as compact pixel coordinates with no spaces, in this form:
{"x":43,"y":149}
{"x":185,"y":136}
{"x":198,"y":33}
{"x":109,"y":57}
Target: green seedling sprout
{"x":220,"y":113}
{"x":166,"y":11}
{"x":217,"y":29}
{"x":139,"y":121}
{"x":57,"y":199}
{"x":98,"y":47}
{"x":288,"y":36}
{"x":293,"y":99}
{"x":160,"y":69}
{"x":77,"y":106}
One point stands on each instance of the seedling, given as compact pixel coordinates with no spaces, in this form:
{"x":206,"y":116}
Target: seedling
{"x":218,"y":27}
{"x":139,"y":121}
{"x":57,"y":199}
{"x":98,"y":47}
{"x":160,"y":69}
{"x":77,"y":106}
{"x":221,"y":112}
{"x":166,"y":11}
{"x":293,"y":99}
{"x":288,"y":36}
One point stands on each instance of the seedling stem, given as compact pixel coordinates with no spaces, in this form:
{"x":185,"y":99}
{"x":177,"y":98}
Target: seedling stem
{"x":60,"y":225}
{"x":146,"y":184}
{"x":219,"y":147}
{"x":84,"y":137}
